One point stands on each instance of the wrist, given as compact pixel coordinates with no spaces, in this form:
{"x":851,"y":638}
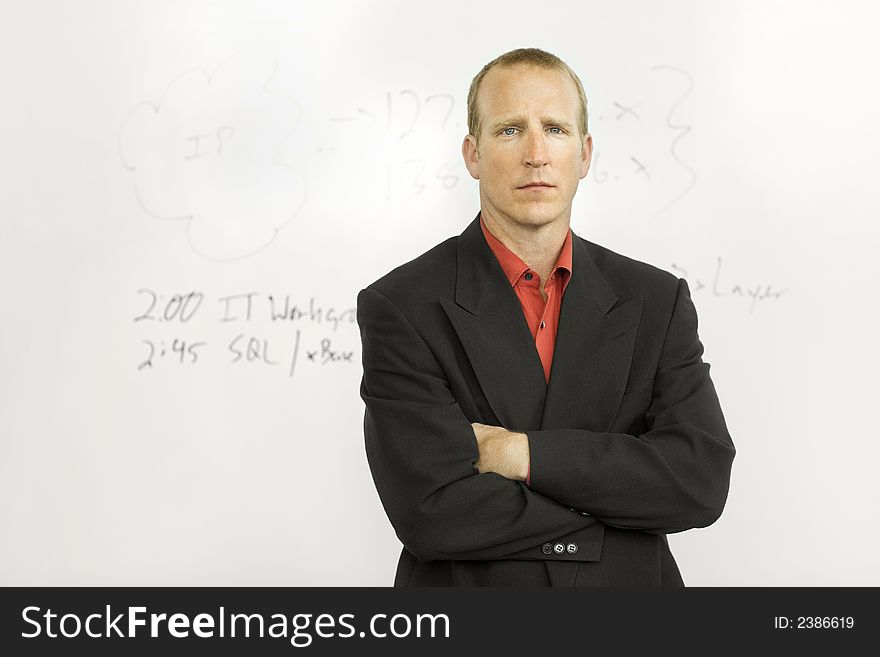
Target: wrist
{"x":523,"y":460}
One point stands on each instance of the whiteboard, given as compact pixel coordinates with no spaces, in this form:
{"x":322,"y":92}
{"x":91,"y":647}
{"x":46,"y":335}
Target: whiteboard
{"x":194,"y":193}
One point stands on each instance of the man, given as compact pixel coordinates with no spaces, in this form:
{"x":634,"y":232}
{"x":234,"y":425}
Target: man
{"x":537,"y":410}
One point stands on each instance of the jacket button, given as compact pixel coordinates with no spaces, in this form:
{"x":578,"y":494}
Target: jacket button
{"x":572,"y":548}
{"x":546,"y":548}
{"x":559,"y":548}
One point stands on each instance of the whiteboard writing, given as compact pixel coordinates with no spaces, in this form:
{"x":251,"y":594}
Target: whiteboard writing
{"x":719,"y":286}
{"x":257,"y":344}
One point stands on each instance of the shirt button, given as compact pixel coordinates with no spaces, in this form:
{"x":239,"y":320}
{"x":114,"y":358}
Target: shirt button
{"x":528,"y":276}
{"x":546,"y":548}
{"x":559,"y":548}
{"x":572,"y":548}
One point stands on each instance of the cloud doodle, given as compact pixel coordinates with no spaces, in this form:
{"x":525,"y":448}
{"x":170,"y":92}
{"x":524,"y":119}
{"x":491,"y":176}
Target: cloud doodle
{"x":206,"y":154}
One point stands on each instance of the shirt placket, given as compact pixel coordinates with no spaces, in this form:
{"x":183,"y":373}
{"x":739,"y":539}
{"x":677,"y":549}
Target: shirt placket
{"x":544,"y":334}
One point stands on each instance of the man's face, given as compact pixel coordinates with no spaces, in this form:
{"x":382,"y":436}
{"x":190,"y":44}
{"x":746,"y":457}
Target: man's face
{"x":530,"y":155}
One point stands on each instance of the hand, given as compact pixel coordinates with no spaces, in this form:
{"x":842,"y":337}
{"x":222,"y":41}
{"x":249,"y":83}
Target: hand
{"x":501,"y":451}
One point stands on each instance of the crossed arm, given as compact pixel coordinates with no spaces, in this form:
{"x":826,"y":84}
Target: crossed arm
{"x":454,"y":489}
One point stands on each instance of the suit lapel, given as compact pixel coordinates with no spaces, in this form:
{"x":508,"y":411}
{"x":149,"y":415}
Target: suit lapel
{"x":593,"y":352}
{"x":591,"y":362}
{"x":591,"y":359}
{"x":492,"y":329}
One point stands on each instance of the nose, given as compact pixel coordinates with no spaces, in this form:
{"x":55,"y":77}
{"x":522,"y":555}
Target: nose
{"x":536,"y":150}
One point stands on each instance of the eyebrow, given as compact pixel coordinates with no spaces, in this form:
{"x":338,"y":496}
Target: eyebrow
{"x":520,"y":120}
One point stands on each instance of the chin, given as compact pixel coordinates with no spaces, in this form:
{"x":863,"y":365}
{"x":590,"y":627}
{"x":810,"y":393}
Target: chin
{"x":537,"y":217}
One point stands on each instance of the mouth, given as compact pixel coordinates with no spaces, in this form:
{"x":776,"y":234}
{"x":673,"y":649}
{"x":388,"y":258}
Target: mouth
{"x":537,"y":185}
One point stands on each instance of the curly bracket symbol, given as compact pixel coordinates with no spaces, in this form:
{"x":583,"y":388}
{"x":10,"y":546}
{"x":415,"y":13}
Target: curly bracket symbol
{"x":683,"y":130}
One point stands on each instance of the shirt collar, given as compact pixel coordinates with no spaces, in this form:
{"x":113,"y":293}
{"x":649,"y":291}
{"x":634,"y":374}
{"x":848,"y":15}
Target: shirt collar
{"x":512,"y":264}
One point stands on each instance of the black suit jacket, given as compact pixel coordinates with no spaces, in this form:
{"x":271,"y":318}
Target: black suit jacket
{"x":627,"y":441}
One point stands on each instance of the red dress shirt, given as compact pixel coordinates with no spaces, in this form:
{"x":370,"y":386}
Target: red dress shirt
{"x":542,"y":317}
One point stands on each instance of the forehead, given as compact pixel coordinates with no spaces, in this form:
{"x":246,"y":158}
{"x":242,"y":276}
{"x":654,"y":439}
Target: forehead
{"x":527,"y":89}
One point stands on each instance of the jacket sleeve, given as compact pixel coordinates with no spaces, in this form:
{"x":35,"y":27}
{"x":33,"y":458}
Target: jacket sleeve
{"x":674,"y":476}
{"x":421,"y":450}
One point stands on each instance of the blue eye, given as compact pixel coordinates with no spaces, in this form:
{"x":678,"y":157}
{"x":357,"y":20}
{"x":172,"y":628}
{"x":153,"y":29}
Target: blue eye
{"x":556,"y":128}
{"x":508,"y":132}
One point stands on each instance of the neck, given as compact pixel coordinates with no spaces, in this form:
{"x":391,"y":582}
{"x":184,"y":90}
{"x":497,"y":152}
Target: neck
{"x":537,"y":246}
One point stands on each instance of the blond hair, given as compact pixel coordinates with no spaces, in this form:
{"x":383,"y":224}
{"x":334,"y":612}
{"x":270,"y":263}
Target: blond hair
{"x":525,"y":57}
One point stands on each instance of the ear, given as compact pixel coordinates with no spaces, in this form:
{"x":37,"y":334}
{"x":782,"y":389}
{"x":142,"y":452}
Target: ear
{"x":586,"y":154}
{"x":471,"y":156}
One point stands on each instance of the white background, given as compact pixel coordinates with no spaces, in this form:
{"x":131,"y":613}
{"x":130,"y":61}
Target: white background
{"x":302,"y":150}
